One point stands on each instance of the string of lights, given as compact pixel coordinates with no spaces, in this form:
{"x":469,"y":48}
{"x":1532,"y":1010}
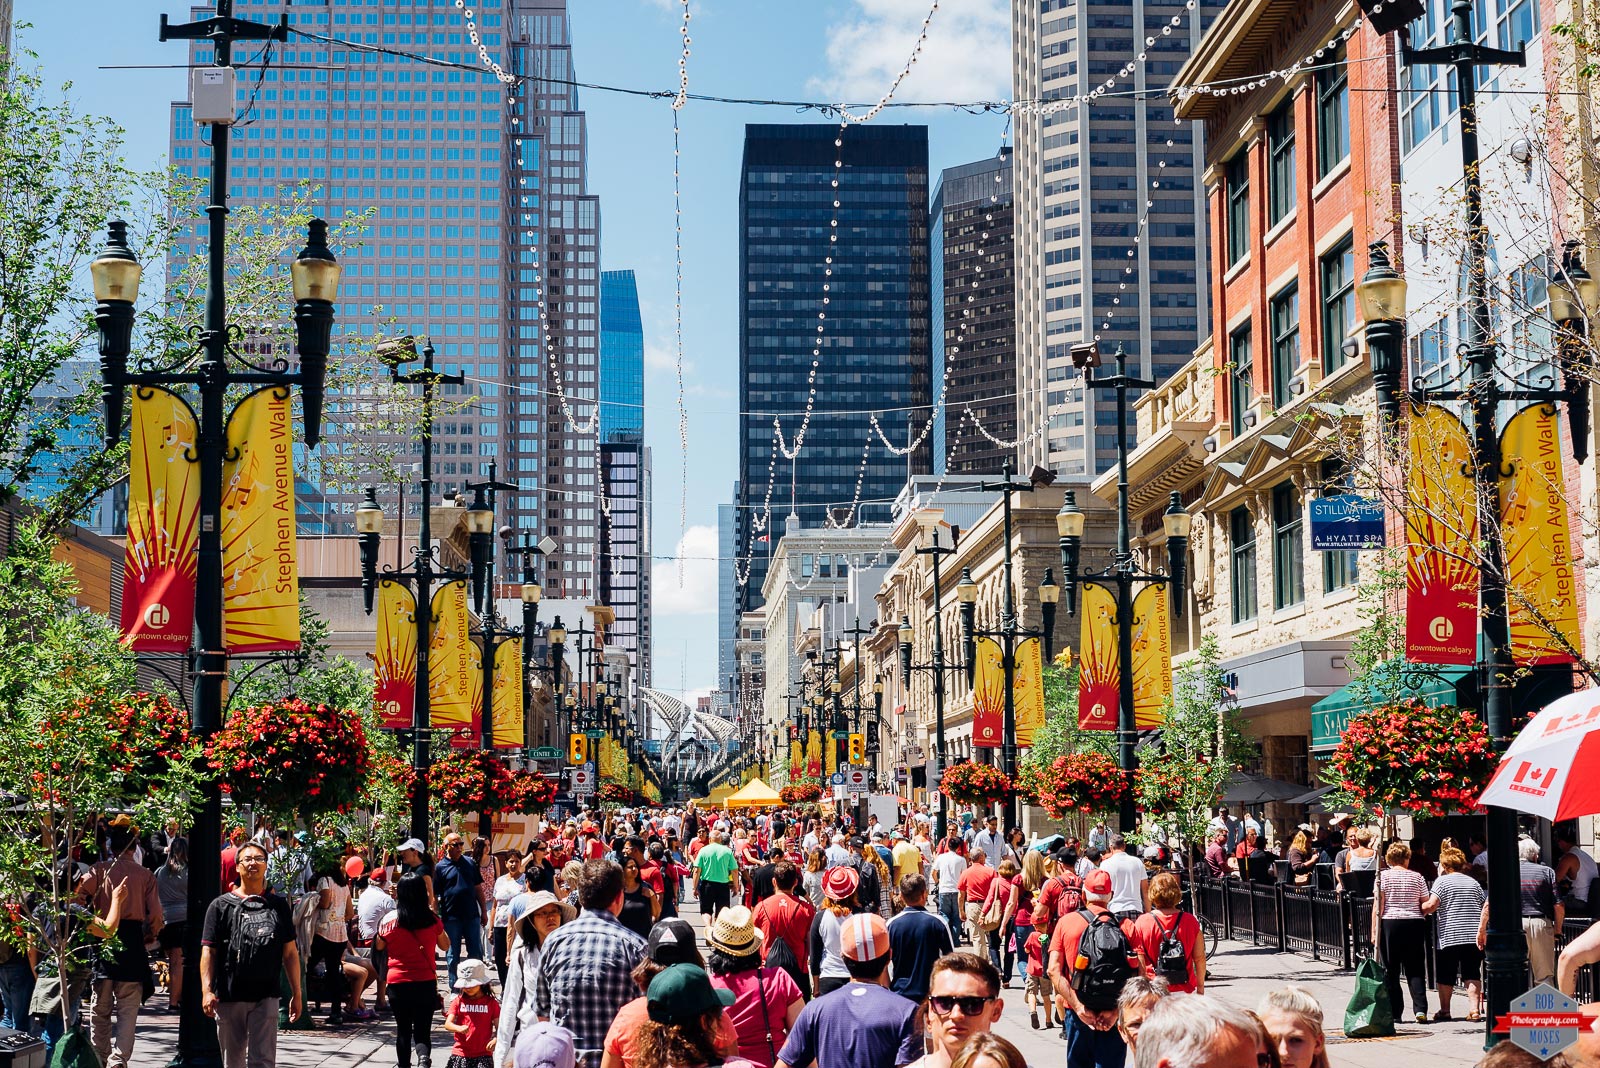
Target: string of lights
{"x":677,"y":300}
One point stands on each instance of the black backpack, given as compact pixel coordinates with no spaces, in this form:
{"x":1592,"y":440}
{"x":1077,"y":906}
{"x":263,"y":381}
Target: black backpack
{"x":253,"y":945}
{"x":782,"y":957}
{"x":1102,"y":965}
{"x":1172,"y":960}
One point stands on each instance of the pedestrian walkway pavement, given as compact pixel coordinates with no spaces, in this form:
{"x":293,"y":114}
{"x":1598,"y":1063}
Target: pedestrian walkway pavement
{"x":1239,"y":974}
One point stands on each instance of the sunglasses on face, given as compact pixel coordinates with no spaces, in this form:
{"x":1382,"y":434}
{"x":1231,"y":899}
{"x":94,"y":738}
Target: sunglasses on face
{"x":969,"y":1006}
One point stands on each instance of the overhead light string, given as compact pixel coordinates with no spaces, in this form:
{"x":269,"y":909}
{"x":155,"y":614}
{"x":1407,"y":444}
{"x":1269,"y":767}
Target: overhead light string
{"x":677,"y":246}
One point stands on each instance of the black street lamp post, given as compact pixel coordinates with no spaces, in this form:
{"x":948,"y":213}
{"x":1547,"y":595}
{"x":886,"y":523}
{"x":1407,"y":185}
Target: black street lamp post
{"x":1123,"y":572}
{"x":1009,"y":633}
{"x":856,"y":630}
{"x":116,"y":275}
{"x":930,"y":521}
{"x":425,"y":569}
{"x":480,"y":539}
{"x":532,"y":592}
{"x":1574,"y":297}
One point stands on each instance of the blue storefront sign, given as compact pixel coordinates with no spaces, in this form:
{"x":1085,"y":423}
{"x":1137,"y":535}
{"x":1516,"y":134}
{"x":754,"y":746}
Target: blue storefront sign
{"x":1346,"y":522}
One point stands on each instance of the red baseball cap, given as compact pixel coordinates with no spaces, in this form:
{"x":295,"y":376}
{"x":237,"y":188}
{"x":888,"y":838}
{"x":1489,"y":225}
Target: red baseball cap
{"x":863,"y":936}
{"x":1097,"y":882}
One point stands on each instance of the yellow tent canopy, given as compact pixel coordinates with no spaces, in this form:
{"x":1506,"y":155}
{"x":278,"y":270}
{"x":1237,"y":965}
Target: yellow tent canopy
{"x":754,"y":794}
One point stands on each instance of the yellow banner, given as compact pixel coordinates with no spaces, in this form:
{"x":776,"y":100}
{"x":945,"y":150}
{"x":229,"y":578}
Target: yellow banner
{"x":159,"y":563}
{"x":606,"y":764}
{"x":454,"y":672}
{"x":988,"y":695}
{"x":260,"y":568}
{"x":797,"y":760}
{"x":815,"y":755}
{"x":394,"y":661}
{"x":1441,"y":540}
{"x":1541,"y":592}
{"x":1152,"y":657}
{"x":507,"y":702}
{"x":1098,"y":699}
{"x":1028,"y":686}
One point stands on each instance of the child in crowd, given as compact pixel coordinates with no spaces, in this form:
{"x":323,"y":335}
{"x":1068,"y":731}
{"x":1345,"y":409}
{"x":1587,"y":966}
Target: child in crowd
{"x":473,"y":1017}
{"x":1036,"y":991}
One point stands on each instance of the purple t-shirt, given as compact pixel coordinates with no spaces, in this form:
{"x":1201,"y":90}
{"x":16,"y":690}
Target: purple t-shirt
{"x":780,"y":990}
{"x":859,"y":1025}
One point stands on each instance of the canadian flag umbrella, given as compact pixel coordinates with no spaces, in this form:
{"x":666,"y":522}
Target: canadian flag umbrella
{"x":1552,"y":769}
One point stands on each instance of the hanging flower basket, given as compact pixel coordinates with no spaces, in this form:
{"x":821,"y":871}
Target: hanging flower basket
{"x":1426,"y":761}
{"x":614,"y":793}
{"x":801,"y":793}
{"x":470,"y":780}
{"x":1076,"y":783}
{"x":532,"y":793}
{"x":147,"y":735}
{"x":971,"y":783}
{"x":290,"y":757}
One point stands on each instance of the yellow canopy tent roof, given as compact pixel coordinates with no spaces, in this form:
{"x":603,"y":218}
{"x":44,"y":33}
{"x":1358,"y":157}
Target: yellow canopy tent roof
{"x":754,"y":794}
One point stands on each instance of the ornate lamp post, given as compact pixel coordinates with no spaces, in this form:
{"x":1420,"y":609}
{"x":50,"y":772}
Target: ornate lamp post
{"x":1010,"y":634}
{"x":1123,"y":572}
{"x":930,"y":519}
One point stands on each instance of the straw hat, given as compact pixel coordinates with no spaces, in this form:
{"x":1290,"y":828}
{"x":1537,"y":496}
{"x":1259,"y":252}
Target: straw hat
{"x":734,"y":932}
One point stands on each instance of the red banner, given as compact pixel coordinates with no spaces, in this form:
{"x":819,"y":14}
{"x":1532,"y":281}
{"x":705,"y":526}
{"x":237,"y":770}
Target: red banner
{"x":395,"y":660}
{"x":1441,"y":536}
{"x":988,"y":695}
{"x":163,"y":524}
{"x":1098,"y":699}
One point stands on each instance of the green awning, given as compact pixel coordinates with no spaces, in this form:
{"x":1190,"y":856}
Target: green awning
{"x":1433,"y":684}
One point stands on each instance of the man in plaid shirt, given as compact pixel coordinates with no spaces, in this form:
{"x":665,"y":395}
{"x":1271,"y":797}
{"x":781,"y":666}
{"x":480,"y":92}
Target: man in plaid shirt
{"x":586,"y":966}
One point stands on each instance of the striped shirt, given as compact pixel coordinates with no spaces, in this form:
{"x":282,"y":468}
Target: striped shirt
{"x":1403,"y":891}
{"x":1460,"y":909}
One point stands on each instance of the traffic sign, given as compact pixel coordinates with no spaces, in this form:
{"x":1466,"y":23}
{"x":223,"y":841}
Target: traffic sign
{"x":582,"y":781}
{"x":544,"y":752}
{"x":836,"y":779}
{"x":856,"y":780}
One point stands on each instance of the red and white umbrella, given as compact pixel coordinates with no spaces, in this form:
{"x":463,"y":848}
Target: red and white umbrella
{"x":1552,"y":769}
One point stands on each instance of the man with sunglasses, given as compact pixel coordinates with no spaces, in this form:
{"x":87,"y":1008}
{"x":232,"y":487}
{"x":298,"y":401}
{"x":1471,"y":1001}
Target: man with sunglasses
{"x":965,"y":1001}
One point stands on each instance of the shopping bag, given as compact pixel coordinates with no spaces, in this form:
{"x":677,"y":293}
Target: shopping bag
{"x":73,"y":1050}
{"x":1368,"y":1014}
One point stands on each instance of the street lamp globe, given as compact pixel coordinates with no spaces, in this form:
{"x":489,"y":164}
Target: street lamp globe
{"x":315,"y":271}
{"x":1176,"y":521}
{"x":531,"y":592}
{"x":1574,"y":293}
{"x":1070,"y":520}
{"x":1381,"y":293}
{"x":966,"y":589}
{"x":115,"y":272}
{"x":904,"y":632}
{"x":1049,"y":592}
{"x":369,"y":516}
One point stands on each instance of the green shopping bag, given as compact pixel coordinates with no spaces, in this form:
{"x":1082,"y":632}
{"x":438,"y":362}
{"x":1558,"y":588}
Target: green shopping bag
{"x":1368,"y":1014}
{"x":73,"y":1050}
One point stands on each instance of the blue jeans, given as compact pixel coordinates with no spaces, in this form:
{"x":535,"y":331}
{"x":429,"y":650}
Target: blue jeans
{"x":950,"y":909}
{"x":1088,"y":1048}
{"x":463,"y":930}
{"x":16,"y":990}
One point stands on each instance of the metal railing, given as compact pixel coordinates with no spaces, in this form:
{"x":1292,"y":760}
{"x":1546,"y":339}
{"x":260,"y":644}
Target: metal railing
{"x":1325,"y":925}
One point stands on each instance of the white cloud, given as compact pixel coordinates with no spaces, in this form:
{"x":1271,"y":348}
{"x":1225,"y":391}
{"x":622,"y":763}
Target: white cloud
{"x":967,"y":55}
{"x":662,"y":358}
{"x":697,"y":594}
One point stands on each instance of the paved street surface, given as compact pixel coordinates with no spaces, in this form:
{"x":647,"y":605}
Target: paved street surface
{"x":1240,"y":974}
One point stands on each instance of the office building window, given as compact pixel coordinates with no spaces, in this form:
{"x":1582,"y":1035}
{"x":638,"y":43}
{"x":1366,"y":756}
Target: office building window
{"x":1242,"y":542}
{"x":1240,"y":386}
{"x":1338,"y":271}
{"x":1285,"y":344}
{"x":1333,"y":112}
{"x":1340,"y":568}
{"x":1238,"y":192}
{"x":1288,"y":551}
{"x":1280,"y":162}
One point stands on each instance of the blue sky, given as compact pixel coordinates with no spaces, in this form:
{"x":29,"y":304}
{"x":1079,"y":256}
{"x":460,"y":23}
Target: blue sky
{"x":835,"y":50}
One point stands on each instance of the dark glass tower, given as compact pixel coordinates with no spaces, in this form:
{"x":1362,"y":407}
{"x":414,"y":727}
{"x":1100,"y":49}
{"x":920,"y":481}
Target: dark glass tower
{"x":625,"y":530}
{"x":875,"y":348}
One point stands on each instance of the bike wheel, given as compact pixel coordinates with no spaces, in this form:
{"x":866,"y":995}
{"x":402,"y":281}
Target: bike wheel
{"x":1209,"y":931}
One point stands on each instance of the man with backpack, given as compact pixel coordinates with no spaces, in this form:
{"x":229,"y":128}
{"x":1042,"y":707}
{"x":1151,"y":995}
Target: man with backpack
{"x":246,"y":946}
{"x":1062,"y":893}
{"x":785,"y":920}
{"x":1168,"y":940}
{"x":1090,"y":960}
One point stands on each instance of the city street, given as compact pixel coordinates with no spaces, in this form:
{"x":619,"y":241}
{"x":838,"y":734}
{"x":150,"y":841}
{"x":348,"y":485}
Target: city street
{"x":1241,"y":975}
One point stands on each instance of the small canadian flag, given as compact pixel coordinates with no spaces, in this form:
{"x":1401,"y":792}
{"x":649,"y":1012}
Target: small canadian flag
{"x":1533,"y":780}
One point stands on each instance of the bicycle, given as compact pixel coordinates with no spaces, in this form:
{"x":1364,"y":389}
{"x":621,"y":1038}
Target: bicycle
{"x":1208,"y":931}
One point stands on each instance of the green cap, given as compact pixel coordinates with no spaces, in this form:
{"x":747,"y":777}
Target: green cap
{"x":683,"y":993}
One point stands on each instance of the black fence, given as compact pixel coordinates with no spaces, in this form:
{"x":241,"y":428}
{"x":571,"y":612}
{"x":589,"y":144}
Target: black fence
{"x":1324,"y":924}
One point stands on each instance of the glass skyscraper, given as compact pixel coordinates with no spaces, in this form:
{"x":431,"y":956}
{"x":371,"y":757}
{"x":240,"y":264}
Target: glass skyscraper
{"x":482,"y":222}
{"x":621,"y":357}
{"x":875,"y":347}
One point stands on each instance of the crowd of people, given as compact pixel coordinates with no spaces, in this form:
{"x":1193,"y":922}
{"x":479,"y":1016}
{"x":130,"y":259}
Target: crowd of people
{"x":821,"y":943}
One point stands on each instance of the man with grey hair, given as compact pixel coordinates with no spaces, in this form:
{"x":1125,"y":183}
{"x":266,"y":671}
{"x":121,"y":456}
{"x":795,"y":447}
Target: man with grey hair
{"x":1196,"y":1031}
{"x":1138,"y":997}
{"x":716,"y":872}
{"x":1542,"y":912}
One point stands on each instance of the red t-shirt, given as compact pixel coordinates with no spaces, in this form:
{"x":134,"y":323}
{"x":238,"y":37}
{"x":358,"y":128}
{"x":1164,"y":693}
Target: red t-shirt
{"x":1150,"y":929}
{"x":1034,"y":948}
{"x":1047,"y":904}
{"x":650,"y":875}
{"x":974,"y":882}
{"x":411,"y":953}
{"x":230,"y":867}
{"x":480,"y":1013}
{"x":1070,"y":929}
{"x":788,"y":917}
